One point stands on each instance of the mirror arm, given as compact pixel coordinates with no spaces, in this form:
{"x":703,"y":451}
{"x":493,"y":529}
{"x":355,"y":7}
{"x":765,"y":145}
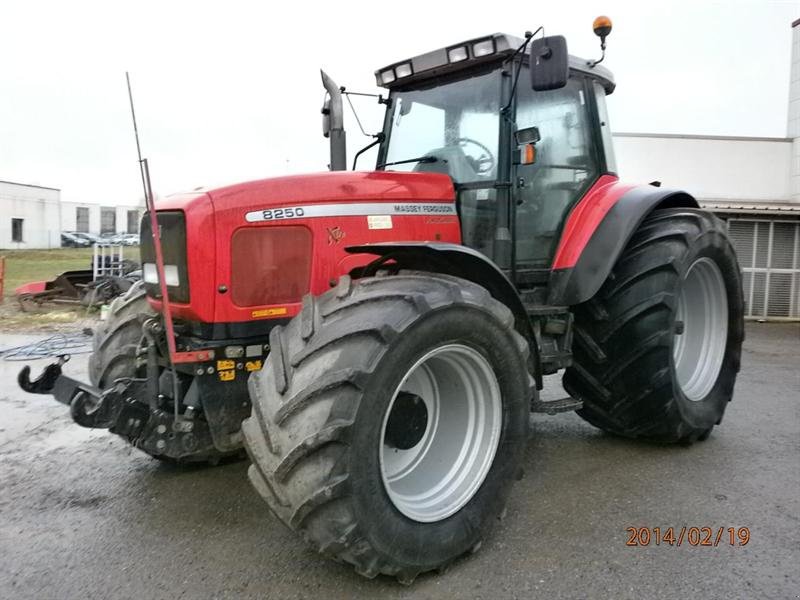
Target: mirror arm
{"x":379,"y":137}
{"x":528,"y":36}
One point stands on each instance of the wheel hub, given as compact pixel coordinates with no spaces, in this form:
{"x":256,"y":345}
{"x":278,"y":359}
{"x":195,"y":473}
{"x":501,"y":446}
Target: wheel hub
{"x":701,"y":329}
{"x":440,"y":433}
{"x":407,"y":422}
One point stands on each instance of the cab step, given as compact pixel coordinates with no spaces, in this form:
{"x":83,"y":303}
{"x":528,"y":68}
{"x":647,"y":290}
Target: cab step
{"x":552,"y":407}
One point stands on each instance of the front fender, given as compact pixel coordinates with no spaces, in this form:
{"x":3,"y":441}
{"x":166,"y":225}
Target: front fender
{"x":459,"y":261}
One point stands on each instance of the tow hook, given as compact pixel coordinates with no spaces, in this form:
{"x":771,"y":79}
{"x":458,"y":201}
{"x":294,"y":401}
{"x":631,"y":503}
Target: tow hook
{"x":45,"y":382}
{"x":88,"y":406}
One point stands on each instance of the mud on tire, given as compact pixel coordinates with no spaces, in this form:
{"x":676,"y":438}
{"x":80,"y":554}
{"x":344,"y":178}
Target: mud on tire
{"x":625,"y":340}
{"x":320,"y":406}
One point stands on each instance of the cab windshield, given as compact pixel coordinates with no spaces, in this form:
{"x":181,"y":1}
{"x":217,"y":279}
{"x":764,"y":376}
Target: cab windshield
{"x":452,"y":128}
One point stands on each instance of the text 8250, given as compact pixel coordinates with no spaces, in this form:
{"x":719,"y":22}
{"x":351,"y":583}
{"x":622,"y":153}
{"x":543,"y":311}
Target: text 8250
{"x":272,"y":214}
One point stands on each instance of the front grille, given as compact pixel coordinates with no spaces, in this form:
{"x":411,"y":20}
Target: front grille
{"x":172,"y":227}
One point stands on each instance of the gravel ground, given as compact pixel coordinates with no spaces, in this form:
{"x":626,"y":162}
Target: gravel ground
{"x":83,"y":516}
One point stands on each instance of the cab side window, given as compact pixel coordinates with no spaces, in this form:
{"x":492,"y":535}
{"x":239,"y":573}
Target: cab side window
{"x":565,"y":166}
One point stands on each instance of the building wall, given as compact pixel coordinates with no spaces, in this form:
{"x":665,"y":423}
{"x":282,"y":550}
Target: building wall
{"x":39,"y":207}
{"x":710,"y":168}
{"x":69,"y":216}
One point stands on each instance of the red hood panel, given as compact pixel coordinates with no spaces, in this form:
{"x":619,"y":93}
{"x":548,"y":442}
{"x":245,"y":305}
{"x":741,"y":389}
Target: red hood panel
{"x":352,"y":186}
{"x":337,"y":186}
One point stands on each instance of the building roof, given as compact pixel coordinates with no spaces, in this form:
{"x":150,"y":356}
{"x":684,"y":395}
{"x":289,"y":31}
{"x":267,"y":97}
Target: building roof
{"x":753,"y":207}
{"x":41,"y":187}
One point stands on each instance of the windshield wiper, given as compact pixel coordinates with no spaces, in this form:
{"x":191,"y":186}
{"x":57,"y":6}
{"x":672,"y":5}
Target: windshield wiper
{"x":420,"y":159}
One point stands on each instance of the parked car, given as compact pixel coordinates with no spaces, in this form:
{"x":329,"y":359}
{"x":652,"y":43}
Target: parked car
{"x":90,"y":237}
{"x":71,"y":240}
{"x":129,"y":239}
{"x":110,"y":238}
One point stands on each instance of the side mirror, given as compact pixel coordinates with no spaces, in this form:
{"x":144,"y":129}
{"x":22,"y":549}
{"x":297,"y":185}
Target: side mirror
{"x":326,"y":118}
{"x":529,"y":135}
{"x":549,"y":63}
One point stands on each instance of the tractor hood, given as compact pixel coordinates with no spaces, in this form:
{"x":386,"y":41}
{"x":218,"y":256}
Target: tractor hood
{"x":327,"y":187}
{"x":225,"y":249}
{"x":337,"y":186}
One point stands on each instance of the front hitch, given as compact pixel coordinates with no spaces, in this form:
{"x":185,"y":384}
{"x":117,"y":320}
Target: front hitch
{"x":117,"y":409}
{"x":88,"y":405}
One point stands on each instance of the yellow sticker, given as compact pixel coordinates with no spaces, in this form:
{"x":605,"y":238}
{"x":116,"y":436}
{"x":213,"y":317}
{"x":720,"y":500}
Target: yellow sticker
{"x":252,"y":365}
{"x":227,"y":375}
{"x":268,"y":312}
{"x":225,"y":364}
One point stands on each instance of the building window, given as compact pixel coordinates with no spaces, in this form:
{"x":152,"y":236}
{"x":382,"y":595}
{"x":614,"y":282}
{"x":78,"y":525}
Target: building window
{"x":82,"y":219}
{"x":16,"y":230}
{"x":133,"y":221}
{"x":108,"y":220}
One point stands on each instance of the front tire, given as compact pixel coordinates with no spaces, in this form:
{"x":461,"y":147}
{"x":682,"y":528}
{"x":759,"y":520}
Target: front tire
{"x":340,"y":433}
{"x":656,"y":352}
{"x":115,"y":340}
{"x":113,"y":357}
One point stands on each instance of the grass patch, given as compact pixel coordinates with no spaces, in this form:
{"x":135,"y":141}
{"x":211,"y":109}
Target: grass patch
{"x":51,"y":318}
{"x":24,"y":266}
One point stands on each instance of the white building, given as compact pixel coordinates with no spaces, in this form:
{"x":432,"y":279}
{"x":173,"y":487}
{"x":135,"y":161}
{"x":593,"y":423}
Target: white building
{"x":29,"y":216}
{"x":33,"y":216}
{"x":94,"y":218}
{"x":752,"y":183}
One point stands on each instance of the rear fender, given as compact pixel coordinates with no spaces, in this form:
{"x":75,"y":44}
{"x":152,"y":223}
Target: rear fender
{"x":596,"y":233}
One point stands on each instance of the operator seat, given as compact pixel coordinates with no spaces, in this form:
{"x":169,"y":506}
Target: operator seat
{"x":451,"y":161}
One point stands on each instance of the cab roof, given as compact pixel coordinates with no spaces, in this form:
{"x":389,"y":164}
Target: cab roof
{"x":437,"y":62}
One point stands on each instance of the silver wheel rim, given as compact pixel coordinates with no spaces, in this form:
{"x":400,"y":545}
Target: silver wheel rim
{"x":441,"y":472}
{"x":703,"y":309}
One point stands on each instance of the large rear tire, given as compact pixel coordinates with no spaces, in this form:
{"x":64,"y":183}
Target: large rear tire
{"x":656,"y":352}
{"x":389,"y":421}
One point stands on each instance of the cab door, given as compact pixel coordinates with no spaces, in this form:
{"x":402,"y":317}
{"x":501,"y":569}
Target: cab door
{"x":565,"y":164}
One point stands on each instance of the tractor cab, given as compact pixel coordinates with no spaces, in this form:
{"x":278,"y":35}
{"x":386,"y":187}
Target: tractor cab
{"x":519,"y":158}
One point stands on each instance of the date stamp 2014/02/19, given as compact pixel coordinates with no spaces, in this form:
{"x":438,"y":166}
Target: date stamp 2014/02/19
{"x":689,"y":536}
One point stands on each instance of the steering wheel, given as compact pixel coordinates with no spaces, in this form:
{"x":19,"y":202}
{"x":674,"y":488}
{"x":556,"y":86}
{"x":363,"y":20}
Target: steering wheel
{"x":485,"y":163}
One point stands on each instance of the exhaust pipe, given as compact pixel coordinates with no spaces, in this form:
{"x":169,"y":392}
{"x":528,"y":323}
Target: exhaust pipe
{"x":333,"y":123}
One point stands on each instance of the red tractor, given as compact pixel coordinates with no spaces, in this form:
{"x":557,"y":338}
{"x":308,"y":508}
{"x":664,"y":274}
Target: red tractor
{"x":377,"y":339}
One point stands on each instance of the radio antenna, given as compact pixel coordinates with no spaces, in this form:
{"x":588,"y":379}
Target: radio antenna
{"x":144,"y":171}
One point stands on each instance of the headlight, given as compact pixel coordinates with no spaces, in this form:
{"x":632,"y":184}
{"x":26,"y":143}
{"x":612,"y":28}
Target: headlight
{"x":150,"y":274}
{"x":403,"y":70}
{"x":387,"y":76}
{"x":483,"y":48}
{"x":171,"y":275}
{"x":457,"y":54}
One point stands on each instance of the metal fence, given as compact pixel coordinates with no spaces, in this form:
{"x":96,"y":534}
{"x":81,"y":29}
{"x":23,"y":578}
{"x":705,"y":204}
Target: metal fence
{"x":107,"y":261}
{"x":769,"y":254}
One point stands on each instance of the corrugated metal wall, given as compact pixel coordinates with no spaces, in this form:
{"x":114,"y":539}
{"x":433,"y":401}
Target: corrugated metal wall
{"x":769,"y":254}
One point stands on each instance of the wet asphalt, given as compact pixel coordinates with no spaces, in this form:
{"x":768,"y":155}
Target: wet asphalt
{"x":84,"y":516}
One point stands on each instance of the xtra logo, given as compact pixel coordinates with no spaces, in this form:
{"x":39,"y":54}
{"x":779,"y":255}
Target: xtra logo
{"x":335,"y":235}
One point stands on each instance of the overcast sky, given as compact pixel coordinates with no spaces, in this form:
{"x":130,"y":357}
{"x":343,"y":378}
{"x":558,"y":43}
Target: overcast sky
{"x":230,"y":91}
